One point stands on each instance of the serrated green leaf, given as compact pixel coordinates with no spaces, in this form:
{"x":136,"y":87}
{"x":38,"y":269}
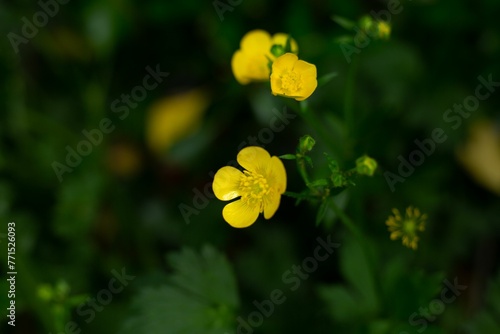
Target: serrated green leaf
{"x":207,"y":274}
{"x":199,"y":297}
{"x":355,"y":266}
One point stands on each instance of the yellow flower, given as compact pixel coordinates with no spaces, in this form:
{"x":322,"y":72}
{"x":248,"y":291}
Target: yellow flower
{"x":174,"y":118}
{"x":250,"y":62}
{"x":406,"y":228}
{"x":293,"y":78}
{"x":481,"y":155}
{"x":259,"y":186}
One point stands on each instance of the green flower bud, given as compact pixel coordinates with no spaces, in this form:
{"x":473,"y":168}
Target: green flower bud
{"x":366,"y":165}
{"x":306,"y":144}
{"x":366,"y":23}
{"x":277,"y":50}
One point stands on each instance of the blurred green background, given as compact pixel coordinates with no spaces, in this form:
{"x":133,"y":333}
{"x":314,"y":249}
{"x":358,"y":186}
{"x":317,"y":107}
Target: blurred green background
{"x":142,"y":196}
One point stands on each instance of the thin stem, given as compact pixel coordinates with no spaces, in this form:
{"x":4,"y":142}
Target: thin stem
{"x":349,"y":97}
{"x":347,"y":222}
{"x":317,"y":125}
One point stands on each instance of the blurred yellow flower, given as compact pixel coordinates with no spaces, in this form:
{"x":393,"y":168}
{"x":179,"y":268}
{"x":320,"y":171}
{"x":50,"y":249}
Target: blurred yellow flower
{"x":292,"y":77}
{"x":481,"y":155}
{"x":384,"y":30}
{"x":259,"y":186}
{"x":251,"y":61}
{"x":174,"y":118}
{"x":406,"y":228}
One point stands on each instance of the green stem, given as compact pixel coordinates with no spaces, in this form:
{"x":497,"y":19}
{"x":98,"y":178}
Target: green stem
{"x":349,"y":97}
{"x":317,"y":125}
{"x":347,"y":222}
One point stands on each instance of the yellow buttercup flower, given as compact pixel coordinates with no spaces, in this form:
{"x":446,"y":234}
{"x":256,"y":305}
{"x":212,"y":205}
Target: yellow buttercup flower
{"x":259,"y":186}
{"x":250,"y":62}
{"x":406,"y":228}
{"x":292,"y":77}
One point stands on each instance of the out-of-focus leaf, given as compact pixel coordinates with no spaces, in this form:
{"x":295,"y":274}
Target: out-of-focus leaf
{"x":488,"y":321}
{"x":359,"y":299}
{"x":78,"y":202}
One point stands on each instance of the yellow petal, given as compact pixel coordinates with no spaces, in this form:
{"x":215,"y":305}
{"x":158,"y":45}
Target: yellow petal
{"x":239,"y":65}
{"x":256,"y":41}
{"x":284,"y":63}
{"x":308,"y":87}
{"x":226,"y":183}
{"x":276,"y":175}
{"x":305,"y":68}
{"x":308,"y":74}
{"x":254,"y":159}
{"x":174,"y":118}
{"x":271,"y":204}
{"x":240,"y":215}
{"x":249,"y":67}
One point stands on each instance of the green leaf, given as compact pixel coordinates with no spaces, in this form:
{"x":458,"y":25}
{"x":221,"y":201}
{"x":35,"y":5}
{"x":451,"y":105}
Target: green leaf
{"x":319,"y":183}
{"x":288,"y":157}
{"x":343,"y":22}
{"x":487,"y":320}
{"x":78,"y":203}
{"x":207,"y":274}
{"x":341,"y":304}
{"x":355,"y":266}
{"x":358,"y":299}
{"x":199,"y":297}
{"x":333,"y":165}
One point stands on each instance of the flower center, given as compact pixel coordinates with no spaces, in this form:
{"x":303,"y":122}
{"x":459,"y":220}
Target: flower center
{"x":409,"y":227}
{"x":290,"y":82}
{"x":253,"y":185}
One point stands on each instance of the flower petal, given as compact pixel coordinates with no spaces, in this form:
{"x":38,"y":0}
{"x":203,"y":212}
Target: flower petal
{"x":239,"y":65}
{"x":284,"y":62}
{"x":271,"y":204}
{"x":305,"y":68}
{"x":239,"y":215}
{"x":309,"y":85}
{"x":308,"y":74}
{"x":256,"y":42}
{"x":254,"y":159}
{"x":226,"y":183}
{"x":276,"y":175}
